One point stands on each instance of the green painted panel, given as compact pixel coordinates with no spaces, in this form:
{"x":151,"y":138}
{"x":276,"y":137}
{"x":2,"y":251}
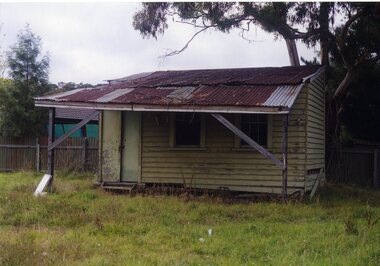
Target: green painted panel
{"x":61,"y":129}
{"x":111,"y":137}
{"x":131,"y":168}
{"x":92,"y":130}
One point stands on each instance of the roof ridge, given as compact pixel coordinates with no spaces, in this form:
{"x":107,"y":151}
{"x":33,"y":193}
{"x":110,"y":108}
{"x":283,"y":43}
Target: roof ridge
{"x":232,"y":68}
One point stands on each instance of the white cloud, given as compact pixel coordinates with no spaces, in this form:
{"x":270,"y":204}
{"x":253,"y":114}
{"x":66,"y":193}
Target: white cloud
{"x":91,"y":42}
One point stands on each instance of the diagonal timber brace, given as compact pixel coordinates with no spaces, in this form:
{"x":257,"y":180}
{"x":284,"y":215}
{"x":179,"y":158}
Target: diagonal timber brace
{"x":250,"y":141}
{"x":73,"y":129}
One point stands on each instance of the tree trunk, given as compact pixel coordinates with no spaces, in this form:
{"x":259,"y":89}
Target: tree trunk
{"x":335,"y":110}
{"x":292,"y":52}
{"x":324,"y":54}
{"x":339,"y":97}
{"x":342,"y":89}
{"x":324,"y":37}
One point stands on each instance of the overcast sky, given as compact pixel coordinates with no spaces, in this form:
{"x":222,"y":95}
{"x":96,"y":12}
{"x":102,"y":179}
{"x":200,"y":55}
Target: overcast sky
{"x":92,"y":42}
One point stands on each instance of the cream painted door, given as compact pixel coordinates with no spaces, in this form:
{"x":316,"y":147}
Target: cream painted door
{"x":131,"y":153}
{"x":110,"y":144}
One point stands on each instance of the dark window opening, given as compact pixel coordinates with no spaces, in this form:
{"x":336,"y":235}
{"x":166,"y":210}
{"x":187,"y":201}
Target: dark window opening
{"x":187,"y":129}
{"x":256,"y":127}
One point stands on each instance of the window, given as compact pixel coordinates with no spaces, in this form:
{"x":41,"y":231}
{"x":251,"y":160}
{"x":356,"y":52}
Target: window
{"x":256,"y":127}
{"x":187,"y":129}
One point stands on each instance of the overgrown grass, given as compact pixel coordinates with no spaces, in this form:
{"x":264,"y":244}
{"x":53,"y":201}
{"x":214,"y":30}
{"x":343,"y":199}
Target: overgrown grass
{"x":81,"y":225}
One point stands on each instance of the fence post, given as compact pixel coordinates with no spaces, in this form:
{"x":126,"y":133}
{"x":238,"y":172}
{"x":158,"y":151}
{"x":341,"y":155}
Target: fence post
{"x":37,"y":155}
{"x":375,"y":172}
{"x":84,"y":153}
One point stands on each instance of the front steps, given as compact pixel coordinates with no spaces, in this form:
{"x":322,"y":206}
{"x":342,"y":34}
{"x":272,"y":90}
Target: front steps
{"x":119,"y":186}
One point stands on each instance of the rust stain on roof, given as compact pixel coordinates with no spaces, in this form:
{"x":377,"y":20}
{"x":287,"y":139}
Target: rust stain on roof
{"x":251,"y":87}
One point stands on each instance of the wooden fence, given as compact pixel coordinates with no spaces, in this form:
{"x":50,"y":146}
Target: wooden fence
{"x":354,"y":166}
{"x":80,"y":154}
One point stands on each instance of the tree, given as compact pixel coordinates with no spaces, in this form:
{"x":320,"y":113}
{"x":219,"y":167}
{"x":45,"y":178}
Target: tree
{"x":351,"y":42}
{"x":3,"y":61}
{"x":66,"y":86}
{"x":28,"y":70}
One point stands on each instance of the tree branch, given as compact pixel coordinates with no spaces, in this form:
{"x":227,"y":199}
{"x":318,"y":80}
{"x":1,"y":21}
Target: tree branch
{"x":340,"y":39}
{"x":340,"y":42}
{"x":176,"y":52}
{"x":341,"y":91}
{"x":349,"y":23}
{"x":194,"y":24}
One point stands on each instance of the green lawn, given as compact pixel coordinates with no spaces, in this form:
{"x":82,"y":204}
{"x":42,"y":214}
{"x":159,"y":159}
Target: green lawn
{"x":81,"y":225}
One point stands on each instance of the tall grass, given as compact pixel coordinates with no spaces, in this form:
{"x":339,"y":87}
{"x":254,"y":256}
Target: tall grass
{"x":81,"y":225}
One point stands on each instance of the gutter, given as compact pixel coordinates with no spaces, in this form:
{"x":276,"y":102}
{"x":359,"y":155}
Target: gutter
{"x":155,"y":108}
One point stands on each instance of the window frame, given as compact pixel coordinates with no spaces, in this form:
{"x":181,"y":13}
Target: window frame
{"x":202,"y":136}
{"x":237,"y":140}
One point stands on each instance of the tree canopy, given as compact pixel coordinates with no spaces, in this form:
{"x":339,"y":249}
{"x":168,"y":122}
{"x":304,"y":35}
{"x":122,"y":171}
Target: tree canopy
{"x":29,"y":73}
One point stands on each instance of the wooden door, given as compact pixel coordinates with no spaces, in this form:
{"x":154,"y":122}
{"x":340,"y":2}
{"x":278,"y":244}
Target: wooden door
{"x":131,"y":153}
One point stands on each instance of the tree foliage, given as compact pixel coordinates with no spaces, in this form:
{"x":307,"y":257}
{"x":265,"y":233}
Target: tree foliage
{"x":28,"y":70}
{"x":67,"y":86}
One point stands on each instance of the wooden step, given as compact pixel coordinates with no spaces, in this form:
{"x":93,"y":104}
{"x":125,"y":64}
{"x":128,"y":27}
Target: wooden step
{"x":118,"y":186}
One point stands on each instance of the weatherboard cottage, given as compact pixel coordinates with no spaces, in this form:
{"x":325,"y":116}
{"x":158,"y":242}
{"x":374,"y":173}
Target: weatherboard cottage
{"x":249,"y":129}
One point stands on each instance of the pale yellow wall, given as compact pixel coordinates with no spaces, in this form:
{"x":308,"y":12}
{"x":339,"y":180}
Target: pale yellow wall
{"x":220,"y":164}
{"x":315,"y":129}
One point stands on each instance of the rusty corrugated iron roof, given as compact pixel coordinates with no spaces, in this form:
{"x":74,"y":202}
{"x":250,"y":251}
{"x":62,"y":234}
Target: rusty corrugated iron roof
{"x":247,"y":76}
{"x":73,"y":114}
{"x":246,"y":87}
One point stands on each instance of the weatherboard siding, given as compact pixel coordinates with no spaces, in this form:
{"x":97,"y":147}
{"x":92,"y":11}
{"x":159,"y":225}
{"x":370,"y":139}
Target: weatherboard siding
{"x":219,"y":164}
{"x":315,"y":129}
